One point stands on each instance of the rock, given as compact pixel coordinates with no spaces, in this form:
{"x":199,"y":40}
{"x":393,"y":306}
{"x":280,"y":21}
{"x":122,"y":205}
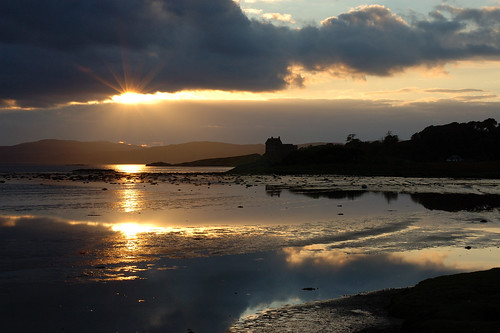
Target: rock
{"x":468,"y":247}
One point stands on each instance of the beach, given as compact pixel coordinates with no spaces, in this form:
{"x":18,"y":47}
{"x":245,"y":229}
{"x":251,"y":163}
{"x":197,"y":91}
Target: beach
{"x":355,"y":313}
{"x":212,"y":252}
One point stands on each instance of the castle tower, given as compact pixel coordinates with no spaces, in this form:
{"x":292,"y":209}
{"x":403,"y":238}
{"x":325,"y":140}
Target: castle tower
{"x":276,"y":150}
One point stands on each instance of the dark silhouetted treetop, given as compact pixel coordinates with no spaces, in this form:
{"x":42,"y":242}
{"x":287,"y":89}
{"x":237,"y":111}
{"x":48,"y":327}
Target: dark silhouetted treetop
{"x":475,"y":140}
{"x":390,"y":138}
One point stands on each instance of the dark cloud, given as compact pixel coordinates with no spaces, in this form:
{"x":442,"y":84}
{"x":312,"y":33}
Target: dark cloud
{"x":373,"y":40}
{"x":55,"y":52}
{"x":453,"y":90}
{"x":477,"y":97}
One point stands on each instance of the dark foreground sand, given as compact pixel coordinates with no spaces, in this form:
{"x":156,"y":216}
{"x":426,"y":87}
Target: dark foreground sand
{"x":468,"y":302}
{"x":346,"y":314}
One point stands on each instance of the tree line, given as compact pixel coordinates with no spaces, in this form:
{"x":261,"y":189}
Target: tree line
{"x":473,"y":141}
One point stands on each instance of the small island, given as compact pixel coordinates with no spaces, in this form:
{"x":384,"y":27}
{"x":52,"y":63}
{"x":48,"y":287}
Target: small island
{"x":159,"y":164}
{"x":218,"y":162}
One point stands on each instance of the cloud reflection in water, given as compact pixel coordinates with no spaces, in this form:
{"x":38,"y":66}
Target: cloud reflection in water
{"x":152,"y":273}
{"x":205,"y":294}
{"x":175,"y":279}
{"x":116,"y":245}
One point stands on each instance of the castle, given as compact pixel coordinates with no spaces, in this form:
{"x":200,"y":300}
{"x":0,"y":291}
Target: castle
{"x":276,"y":150}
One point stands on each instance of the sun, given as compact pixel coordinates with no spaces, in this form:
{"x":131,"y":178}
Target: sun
{"x":132,"y":97}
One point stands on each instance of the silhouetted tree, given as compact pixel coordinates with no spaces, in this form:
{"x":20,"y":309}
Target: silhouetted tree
{"x":390,"y":138}
{"x":352,"y":139}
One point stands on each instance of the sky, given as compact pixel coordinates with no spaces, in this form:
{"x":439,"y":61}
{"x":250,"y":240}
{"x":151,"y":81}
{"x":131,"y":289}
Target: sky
{"x":157,"y":72}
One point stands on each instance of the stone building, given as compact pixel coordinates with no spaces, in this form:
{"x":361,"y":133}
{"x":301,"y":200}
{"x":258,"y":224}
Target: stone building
{"x":276,"y":150}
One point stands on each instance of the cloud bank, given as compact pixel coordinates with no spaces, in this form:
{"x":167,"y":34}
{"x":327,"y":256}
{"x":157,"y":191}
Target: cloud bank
{"x":243,"y":122}
{"x":55,"y":52}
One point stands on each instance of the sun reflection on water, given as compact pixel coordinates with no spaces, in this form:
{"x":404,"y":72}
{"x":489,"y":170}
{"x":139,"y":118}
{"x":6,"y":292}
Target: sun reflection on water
{"x":130,"y":230}
{"x":129,"y":200}
{"x":133,"y":229}
{"x":129,"y":168}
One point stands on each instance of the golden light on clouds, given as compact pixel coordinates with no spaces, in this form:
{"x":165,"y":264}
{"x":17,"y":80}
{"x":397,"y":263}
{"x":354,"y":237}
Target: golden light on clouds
{"x":418,"y":84}
{"x":187,"y":95}
{"x":337,"y":81}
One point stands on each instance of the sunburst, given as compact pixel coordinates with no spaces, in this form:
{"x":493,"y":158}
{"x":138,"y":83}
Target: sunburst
{"x":131,"y":84}
{"x":131,"y":97}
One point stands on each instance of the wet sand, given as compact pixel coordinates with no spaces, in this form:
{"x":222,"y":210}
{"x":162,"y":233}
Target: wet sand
{"x":356,"y":313}
{"x":465,"y":302}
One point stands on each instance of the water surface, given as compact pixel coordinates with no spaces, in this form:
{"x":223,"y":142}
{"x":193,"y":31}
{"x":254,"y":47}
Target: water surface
{"x":160,"y":251}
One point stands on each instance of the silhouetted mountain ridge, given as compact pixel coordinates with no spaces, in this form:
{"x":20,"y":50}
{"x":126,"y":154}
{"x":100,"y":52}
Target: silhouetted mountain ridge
{"x":60,"y":152}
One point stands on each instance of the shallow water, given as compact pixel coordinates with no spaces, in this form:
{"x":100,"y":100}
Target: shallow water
{"x":176,"y":252}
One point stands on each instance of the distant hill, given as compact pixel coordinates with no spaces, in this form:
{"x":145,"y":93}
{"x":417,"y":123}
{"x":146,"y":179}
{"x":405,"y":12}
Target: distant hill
{"x":61,"y":152}
{"x":224,"y":161}
{"x":311,"y":144}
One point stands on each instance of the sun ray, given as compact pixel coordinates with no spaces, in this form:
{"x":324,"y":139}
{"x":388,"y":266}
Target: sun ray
{"x":130,"y":82}
{"x":100,"y":79}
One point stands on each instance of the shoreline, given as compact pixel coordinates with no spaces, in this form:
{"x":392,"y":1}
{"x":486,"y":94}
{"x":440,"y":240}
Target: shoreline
{"x":363,"y":312}
{"x":462,"y":302}
{"x":477,"y":170}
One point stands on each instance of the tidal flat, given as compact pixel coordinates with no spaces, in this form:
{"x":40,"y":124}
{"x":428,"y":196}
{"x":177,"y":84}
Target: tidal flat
{"x":128,"y":250}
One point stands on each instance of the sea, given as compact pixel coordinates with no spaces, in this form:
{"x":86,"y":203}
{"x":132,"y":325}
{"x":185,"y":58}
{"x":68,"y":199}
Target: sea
{"x":130,"y":248}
